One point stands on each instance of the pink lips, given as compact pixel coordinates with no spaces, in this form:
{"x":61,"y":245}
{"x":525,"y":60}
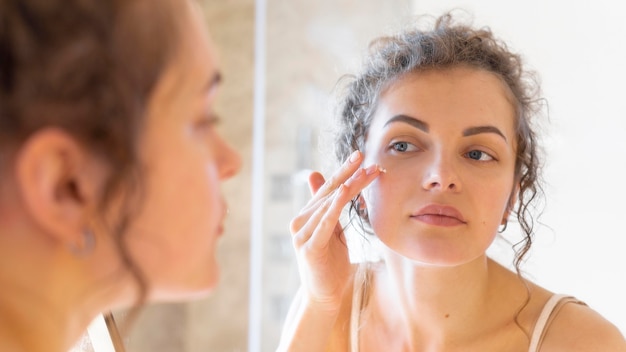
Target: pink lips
{"x":439,"y":215}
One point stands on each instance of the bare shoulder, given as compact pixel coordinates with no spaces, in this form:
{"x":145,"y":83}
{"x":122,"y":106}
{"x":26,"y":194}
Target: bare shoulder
{"x":577,"y":327}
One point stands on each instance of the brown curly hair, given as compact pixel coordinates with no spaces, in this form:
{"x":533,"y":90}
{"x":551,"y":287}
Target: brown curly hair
{"x":448,"y":44}
{"x":87,"y":67}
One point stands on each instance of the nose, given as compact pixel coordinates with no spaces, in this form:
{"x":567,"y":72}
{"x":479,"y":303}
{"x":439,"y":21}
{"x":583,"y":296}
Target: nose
{"x":441,"y":176}
{"x":229,"y":161}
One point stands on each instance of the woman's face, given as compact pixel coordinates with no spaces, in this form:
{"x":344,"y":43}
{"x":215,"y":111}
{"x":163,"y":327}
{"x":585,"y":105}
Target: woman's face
{"x":173,"y":239}
{"x":447,"y":140}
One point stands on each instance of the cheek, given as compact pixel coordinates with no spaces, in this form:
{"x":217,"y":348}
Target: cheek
{"x":494,"y":196}
{"x":381,"y":201}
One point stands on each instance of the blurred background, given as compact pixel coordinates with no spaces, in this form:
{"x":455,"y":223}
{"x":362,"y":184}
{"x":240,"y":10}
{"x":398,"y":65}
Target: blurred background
{"x":281,"y":60}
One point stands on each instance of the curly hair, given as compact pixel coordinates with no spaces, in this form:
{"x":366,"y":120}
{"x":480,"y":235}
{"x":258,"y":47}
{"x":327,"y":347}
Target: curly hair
{"x":448,"y":44}
{"x":87,"y":67}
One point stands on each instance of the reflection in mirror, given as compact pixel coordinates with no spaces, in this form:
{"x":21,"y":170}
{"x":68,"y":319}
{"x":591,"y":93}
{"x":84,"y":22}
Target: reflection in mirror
{"x":306,"y":47}
{"x":310,"y":44}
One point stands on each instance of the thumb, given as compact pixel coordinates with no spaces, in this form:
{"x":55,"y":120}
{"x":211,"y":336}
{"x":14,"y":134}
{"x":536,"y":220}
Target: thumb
{"x":316,"y":180}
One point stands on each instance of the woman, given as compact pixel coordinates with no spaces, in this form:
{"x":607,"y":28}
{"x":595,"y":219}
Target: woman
{"x":443,"y":121}
{"x":110,"y":163}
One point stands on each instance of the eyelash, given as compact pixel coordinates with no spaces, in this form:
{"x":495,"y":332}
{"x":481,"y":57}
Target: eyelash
{"x":396,"y":144}
{"x":208,"y":120}
{"x":491,"y":157}
{"x":394,"y":147}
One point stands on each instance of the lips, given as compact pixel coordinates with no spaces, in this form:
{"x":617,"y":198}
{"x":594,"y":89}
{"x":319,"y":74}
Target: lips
{"x":439,"y":215}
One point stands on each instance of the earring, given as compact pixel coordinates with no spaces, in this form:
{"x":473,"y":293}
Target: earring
{"x":86,"y":246}
{"x":502,"y":227}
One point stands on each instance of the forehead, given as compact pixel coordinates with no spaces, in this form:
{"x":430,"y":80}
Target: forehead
{"x":454,"y":95}
{"x":194,"y":63}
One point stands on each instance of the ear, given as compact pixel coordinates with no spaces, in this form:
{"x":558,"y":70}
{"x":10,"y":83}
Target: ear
{"x":58,"y":180}
{"x":361,"y":206}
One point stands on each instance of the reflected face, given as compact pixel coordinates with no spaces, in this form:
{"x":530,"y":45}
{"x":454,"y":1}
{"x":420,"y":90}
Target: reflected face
{"x":174,"y":238}
{"x":447,"y":140}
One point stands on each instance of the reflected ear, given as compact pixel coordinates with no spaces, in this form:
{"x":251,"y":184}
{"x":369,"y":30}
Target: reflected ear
{"x":361,"y":207}
{"x":58,"y":181}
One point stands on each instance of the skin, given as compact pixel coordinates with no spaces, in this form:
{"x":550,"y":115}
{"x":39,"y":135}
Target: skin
{"x":187,"y":160}
{"x":435,"y":290}
{"x":49,"y":196}
{"x":444,"y":142}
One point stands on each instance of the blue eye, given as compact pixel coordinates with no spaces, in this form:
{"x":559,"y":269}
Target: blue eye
{"x":403,"y":147}
{"x":479,"y":155}
{"x":400,"y":146}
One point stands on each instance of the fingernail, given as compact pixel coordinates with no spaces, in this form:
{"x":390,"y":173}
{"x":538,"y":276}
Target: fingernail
{"x":382,"y":169}
{"x":354,"y":156}
{"x":371,"y":169}
{"x":358,"y":174}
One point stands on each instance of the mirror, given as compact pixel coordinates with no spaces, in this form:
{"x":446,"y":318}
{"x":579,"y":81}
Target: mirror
{"x":301,"y":49}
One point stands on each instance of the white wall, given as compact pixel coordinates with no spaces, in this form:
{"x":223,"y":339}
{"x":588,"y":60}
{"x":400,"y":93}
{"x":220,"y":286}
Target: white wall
{"x":578,"y":48}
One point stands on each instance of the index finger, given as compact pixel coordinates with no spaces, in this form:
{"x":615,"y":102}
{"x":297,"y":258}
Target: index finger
{"x":342,"y":175}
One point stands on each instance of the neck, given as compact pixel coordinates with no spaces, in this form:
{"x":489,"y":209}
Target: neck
{"x":48,"y":296}
{"x":437,"y":306}
{"x":51,"y":315}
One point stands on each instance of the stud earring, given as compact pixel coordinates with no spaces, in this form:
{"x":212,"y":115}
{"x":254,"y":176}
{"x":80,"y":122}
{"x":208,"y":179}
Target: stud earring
{"x":502,"y":227}
{"x":86,"y":246}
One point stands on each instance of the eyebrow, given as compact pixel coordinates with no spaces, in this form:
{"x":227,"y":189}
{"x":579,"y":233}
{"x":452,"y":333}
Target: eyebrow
{"x":423,"y":126}
{"x":483,"y":129}
{"x":417,"y":123}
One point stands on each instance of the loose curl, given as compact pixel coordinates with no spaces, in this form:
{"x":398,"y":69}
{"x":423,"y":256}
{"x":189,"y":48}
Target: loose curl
{"x":449,"y":44}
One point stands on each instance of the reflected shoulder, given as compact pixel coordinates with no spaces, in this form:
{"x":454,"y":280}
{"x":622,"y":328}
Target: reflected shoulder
{"x":580,"y":328}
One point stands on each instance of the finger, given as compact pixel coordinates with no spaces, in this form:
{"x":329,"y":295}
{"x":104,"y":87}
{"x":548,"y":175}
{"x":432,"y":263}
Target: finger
{"x":345,"y":171}
{"x":304,"y":233}
{"x":329,"y":222}
{"x":305,"y":214}
{"x":359,"y":180}
{"x":316,"y":180}
{"x":363,"y":177}
{"x":324,"y":220}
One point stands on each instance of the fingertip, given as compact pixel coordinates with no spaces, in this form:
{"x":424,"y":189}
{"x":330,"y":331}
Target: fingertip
{"x":316,"y":180}
{"x":354,"y":157}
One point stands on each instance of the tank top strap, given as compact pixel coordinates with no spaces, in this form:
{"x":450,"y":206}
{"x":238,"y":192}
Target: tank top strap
{"x":358,"y":300}
{"x":549,"y":311}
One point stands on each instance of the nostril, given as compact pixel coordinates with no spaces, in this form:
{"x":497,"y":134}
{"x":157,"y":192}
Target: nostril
{"x":433,"y":185}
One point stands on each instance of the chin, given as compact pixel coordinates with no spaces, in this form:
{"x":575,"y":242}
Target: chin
{"x":193,"y":289}
{"x":435,"y":256}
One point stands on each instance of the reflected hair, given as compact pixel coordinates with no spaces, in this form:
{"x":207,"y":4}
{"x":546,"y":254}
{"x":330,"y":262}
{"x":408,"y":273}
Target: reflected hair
{"x":447,"y":44}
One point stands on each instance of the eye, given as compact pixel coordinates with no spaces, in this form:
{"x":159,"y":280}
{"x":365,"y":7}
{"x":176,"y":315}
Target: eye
{"x":479,"y":155}
{"x":403,"y":147}
{"x":208,"y":120}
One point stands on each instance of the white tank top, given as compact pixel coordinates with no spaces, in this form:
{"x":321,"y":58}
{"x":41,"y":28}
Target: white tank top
{"x":548,"y":312}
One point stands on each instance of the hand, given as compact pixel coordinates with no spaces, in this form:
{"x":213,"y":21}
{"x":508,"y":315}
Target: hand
{"x":318,"y":236}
